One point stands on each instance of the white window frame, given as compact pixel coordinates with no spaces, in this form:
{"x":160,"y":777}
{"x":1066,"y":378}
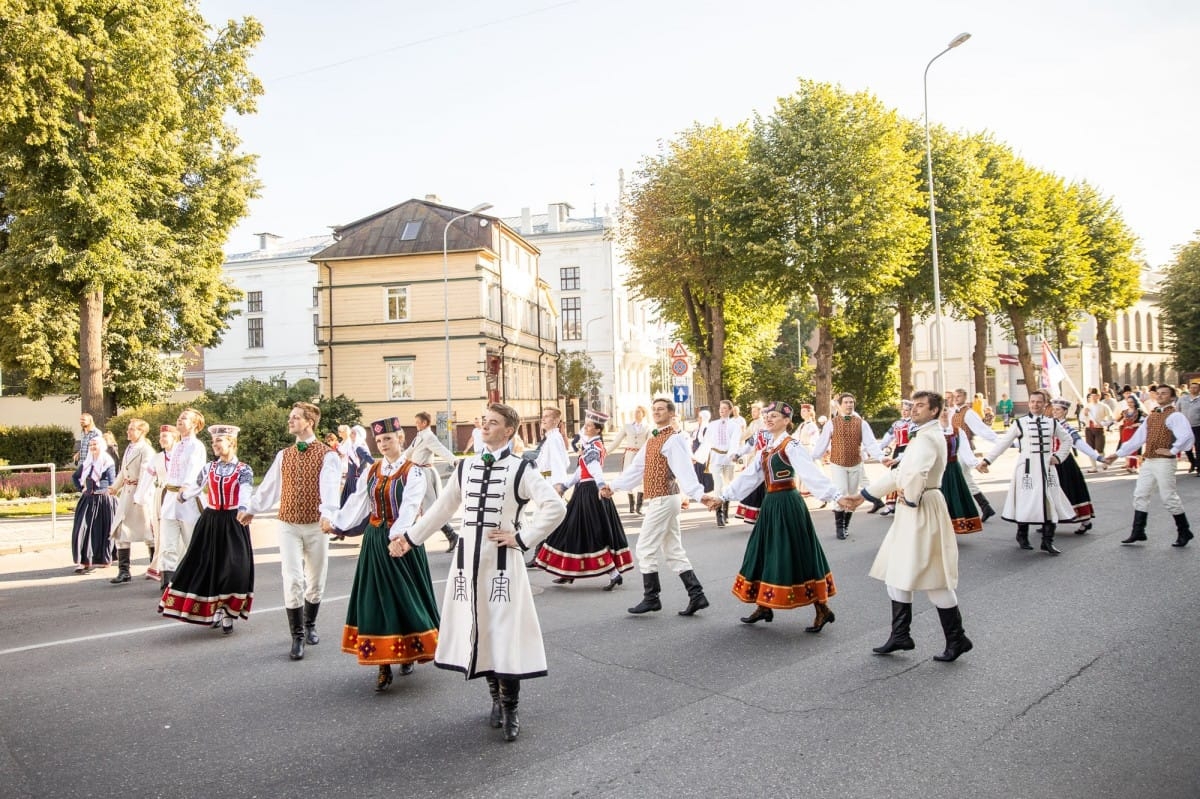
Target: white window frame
{"x":400,"y":372}
{"x":390,"y":293}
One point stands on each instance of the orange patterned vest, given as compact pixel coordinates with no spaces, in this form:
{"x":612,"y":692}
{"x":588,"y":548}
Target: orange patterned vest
{"x":1158,"y":435}
{"x":959,"y":421}
{"x":845,"y":444}
{"x":657,"y":480}
{"x":300,"y":476}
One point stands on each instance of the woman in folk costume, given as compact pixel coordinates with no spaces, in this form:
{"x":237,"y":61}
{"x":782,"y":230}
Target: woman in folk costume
{"x":1132,"y":416}
{"x":392,"y":617}
{"x":156,"y":476}
{"x":1069,"y":474}
{"x":748,"y":508}
{"x":133,"y":520}
{"x":93,"y":522}
{"x":633,"y":435}
{"x":489,"y":623}
{"x":214,"y":582}
{"x":357,"y":460}
{"x":965,"y":515}
{"x":784,"y":565}
{"x":590,"y":541}
{"x":896,"y":437}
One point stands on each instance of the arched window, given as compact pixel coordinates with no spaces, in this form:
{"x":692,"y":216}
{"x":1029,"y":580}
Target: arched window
{"x":1137,"y":376}
{"x":1113,"y":339}
{"x":1160,"y":333}
{"x":1115,"y":372}
{"x":1137,"y":329}
{"x":1150,"y":373}
{"x":1149,"y":331}
{"x":1128,"y":343}
{"x":1128,"y":373}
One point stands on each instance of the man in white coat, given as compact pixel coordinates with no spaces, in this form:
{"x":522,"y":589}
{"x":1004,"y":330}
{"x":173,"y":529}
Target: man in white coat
{"x":133,"y":489}
{"x":919,"y":552}
{"x":1035,"y":495}
{"x":489,"y":625}
{"x":425,"y":447}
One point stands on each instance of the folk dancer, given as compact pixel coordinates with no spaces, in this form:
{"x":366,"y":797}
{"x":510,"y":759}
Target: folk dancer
{"x":700,"y":467}
{"x":590,"y":541}
{"x":752,"y":448}
{"x":303,"y":482}
{"x":358,"y":459}
{"x":633,"y":435}
{"x":157,"y":475}
{"x":663,"y":467}
{"x":133,"y":519}
{"x":392,"y":617}
{"x":1165,"y":434}
{"x":963,"y":417}
{"x":215,"y":580}
{"x":178,"y":519}
{"x":1132,"y":417}
{"x":896,"y":438}
{"x":920,"y":551}
{"x":721,"y":436}
{"x":1069,"y":474}
{"x":92,"y":525}
{"x":426,"y":447}
{"x":845,"y":437}
{"x":1096,"y":418}
{"x":784,"y":565}
{"x":1035,"y":495}
{"x":489,"y":625}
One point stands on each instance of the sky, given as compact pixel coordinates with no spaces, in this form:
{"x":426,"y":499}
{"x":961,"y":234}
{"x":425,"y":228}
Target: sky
{"x":529,"y":102}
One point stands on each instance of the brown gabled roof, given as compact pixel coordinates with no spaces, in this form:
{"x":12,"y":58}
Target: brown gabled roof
{"x":378,"y":235}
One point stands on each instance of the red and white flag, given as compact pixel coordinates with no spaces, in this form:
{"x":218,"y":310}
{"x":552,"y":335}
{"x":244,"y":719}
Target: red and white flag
{"x":1008,"y":360}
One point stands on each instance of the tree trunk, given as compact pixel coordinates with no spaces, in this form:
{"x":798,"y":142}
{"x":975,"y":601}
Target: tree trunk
{"x":980,"y":354}
{"x":91,"y":355}
{"x":904,"y":329}
{"x":1062,"y":337}
{"x":823,"y":377}
{"x":1105,"y":347}
{"x":1022,"y":337}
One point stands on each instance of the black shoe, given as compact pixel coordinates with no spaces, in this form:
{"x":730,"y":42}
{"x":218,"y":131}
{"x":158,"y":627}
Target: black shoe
{"x":407,"y":669}
{"x":384,"y":679}
{"x":1083,"y":528}
{"x":1134,"y":537}
{"x":227,"y":625}
{"x":563,"y":580}
{"x":1049,"y":548}
{"x":613,"y":582}
{"x":876,"y":505}
{"x":760,"y":614}
{"x":986,"y":513}
{"x":218,"y":617}
{"x":824,"y":616}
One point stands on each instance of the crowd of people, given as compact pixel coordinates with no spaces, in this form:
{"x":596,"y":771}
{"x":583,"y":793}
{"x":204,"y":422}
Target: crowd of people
{"x":194,"y":513}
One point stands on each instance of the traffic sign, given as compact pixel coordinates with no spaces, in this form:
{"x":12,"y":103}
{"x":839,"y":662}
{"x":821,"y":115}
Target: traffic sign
{"x":678,"y":351}
{"x":679,"y":367}
{"x":681,"y":393}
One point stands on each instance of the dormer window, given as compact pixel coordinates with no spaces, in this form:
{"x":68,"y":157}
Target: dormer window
{"x":411,"y":229}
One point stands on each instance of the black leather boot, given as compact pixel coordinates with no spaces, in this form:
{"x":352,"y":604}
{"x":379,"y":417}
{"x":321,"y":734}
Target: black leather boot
{"x":496,"y":720}
{"x":638,"y":509}
{"x":296,"y":627}
{"x":1138,"y":533}
{"x":651,"y":588}
{"x":1048,"y":540}
{"x":123,"y":575}
{"x":824,"y":616}
{"x":839,"y":521}
{"x":900,"y":638}
{"x":632,"y":503}
{"x":986,"y":511}
{"x":721,"y":515}
{"x":451,"y":537}
{"x":510,"y":692}
{"x":725,"y":511}
{"x":696,"y":598}
{"x":957,"y":642}
{"x":846,"y":523}
{"x":1023,"y":536}
{"x":1183,"y":529}
{"x":167,"y":577}
{"x":310,"y":622}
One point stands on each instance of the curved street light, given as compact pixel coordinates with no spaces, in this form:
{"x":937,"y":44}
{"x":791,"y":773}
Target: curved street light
{"x":937,"y":283}
{"x":446,"y":310}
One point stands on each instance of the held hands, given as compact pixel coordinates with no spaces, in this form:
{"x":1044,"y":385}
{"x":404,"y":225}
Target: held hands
{"x":851,"y":501}
{"x":606,"y":492}
{"x":327,"y":526}
{"x":982,"y":467}
{"x":1108,"y":459}
{"x":245,"y":518}
{"x":398,"y":547}
{"x":710,"y":501}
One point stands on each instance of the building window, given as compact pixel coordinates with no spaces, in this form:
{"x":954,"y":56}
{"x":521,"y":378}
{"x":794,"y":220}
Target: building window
{"x":572,"y":329}
{"x":316,"y":296}
{"x":411,"y":229}
{"x":316,"y":328}
{"x":569,"y":278}
{"x":396,"y":299}
{"x":253,"y":302}
{"x":254,"y":329}
{"x":400,"y":379}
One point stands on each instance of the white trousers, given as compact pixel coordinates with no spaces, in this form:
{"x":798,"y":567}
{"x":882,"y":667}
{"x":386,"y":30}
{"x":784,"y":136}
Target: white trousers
{"x":1160,"y":473}
{"x":175,"y":535}
{"x":660,"y":539}
{"x":846,"y":479}
{"x":304,"y":560}
{"x":940,"y":597}
{"x":721,"y":475}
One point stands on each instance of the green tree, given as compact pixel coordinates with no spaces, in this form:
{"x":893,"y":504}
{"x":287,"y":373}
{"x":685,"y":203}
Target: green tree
{"x":833,"y":208}
{"x":864,"y":355}
{"x":121,"y":179}
{"x":1180,"y":302}
{"x":577,"y":374}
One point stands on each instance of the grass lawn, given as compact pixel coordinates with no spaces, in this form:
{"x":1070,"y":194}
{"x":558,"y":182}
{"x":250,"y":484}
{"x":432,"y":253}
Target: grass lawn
{"x":26,"y":510}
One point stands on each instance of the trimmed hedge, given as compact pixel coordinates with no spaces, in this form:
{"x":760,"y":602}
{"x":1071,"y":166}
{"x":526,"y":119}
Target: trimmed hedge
{"x":37,"y":444}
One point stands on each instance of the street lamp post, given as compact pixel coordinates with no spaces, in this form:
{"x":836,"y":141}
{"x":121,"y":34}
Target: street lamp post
{"x":446,"y":310}
{"x":937,"y":283}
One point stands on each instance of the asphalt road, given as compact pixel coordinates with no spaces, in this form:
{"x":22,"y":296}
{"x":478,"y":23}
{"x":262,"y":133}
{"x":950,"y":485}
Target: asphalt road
{"x":1082,"y":683}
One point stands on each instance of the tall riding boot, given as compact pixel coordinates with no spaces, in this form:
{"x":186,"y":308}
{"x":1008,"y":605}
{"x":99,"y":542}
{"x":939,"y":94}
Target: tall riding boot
{"x":167,"y":577}
{"x":451,"y":537}
{"x":310,"y":622}
{"x":986,"y":511}
{"x":638,"y":509}
{"x":1138,"y":533}
{"x":1183,"y":529}
{"x":651,"y":588}
{"x":632,"y":503}
{"x":1048,"y":540}
{"x":725,"y":511}
{"x":721,"y":515}
{"x":510,"y":692}
{"x":1023,"y":536}
{"x":123,"y":575}
{"x":846,"y":523}
{"x":497,"y":718}
{"x":900,"y":638}
{"x":957,"y":642}
{"x":839,"y":521}
{"x":696,"y":598}
{"x":296,"y":626}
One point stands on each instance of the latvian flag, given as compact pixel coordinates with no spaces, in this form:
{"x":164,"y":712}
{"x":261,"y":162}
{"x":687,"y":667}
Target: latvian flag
{"x":1008,"y":360}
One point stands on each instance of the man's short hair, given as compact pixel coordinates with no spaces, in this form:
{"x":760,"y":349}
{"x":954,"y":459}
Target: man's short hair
{"x":932,"y":399}
{"x":843,"y":395}
{"x":423,"y":416}
{"x":551,"y":409}
{"x":512,"y":419}
{"x":1169,"y":388}
{"x":311,"y":412}
{"x":196,"y":416}
{"x":1045,"y":397}
{"x":669,"y":403}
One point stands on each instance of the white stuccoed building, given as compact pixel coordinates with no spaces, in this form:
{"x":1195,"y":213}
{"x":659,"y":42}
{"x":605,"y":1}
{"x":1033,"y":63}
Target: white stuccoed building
{"x":274,"y":334}
{"x":597,"y":313}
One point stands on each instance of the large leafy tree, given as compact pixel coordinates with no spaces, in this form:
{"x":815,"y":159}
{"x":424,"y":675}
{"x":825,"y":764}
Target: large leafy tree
{"x":1180,"y":301}
{"x":834,"y":201}
{"x":121,"y":180}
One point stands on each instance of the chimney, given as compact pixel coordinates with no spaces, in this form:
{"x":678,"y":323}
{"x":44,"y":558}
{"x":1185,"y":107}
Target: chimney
{"x":433,"y":198}
{"x":556,"y":214}
{"x":526,"y":222}
{"x":266,"y":241}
